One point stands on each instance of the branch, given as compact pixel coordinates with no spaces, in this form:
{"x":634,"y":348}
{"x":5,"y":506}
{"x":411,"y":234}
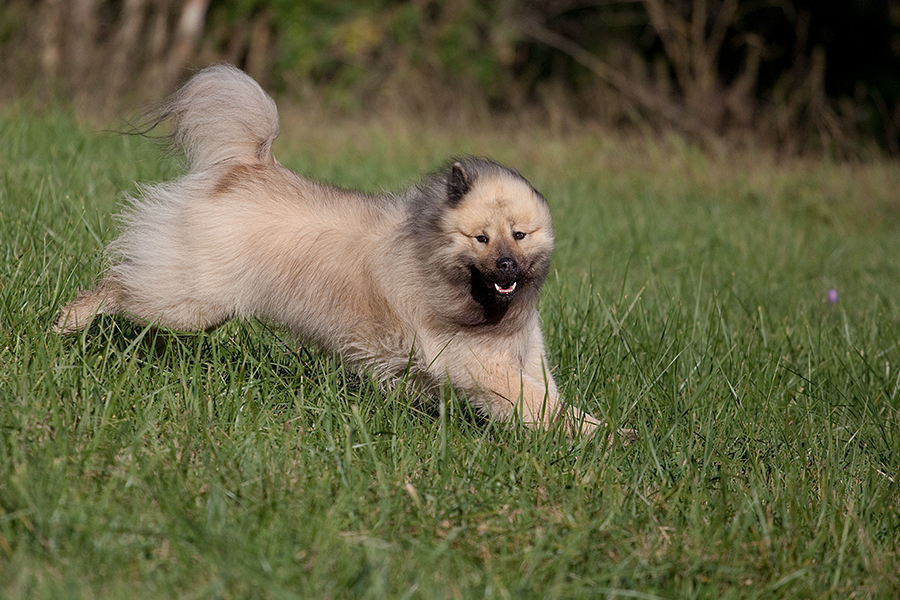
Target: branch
{"x":641,"y":95}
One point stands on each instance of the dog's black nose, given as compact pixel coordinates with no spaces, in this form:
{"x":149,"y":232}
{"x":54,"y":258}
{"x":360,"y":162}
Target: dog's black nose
{"x":507,"y":265}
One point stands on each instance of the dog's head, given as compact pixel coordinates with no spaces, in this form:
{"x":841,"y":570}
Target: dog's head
{"x":497,"y":235}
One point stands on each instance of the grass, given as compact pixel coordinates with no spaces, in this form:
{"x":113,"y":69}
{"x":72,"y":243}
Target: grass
{"x":688,"y":300}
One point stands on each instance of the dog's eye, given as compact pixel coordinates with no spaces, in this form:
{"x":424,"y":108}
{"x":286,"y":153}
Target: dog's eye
{"x":482,"y":239}
{"x":518,"y":235}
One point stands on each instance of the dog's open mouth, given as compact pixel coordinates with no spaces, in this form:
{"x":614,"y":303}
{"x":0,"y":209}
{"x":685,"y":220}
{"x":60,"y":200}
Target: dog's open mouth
{"x":505,"y":288}
{"x":489,"y":289}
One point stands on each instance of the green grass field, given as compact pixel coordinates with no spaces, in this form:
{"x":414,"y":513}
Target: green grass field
{"x":688,"y":299}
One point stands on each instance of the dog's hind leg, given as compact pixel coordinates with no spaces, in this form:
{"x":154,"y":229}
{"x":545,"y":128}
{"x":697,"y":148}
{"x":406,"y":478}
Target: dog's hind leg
{"x":179,"y":312}
{"x":104,"y":299}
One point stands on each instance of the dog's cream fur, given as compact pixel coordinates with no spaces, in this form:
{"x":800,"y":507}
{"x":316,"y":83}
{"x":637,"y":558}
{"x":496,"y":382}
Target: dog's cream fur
{"x":436,"y":284}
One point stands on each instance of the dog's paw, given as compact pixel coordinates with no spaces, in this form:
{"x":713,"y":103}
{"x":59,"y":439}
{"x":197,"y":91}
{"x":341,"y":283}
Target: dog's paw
{"x":577,"y":423}
{"x":624,"y":436}
{"x":64,"y":323}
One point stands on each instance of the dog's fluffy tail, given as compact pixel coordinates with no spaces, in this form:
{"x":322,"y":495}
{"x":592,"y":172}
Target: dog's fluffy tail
{"x":221,"y":114}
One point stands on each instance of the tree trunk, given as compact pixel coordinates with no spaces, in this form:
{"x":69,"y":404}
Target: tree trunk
{"x":190,"y":28}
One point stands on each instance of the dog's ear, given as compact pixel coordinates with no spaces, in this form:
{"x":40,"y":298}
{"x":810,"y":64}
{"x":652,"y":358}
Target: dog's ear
{"x":458,"y":184}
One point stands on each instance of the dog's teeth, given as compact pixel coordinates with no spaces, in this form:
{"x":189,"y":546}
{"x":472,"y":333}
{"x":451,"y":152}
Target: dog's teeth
{"x":509,"y":289}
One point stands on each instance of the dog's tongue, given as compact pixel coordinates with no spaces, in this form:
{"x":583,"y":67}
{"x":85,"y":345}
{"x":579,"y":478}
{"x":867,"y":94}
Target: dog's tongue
{"x":505,"y":288}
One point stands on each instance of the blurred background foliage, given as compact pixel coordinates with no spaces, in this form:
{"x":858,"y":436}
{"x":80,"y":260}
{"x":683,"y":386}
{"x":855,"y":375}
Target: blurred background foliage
{"x":801,"y":75}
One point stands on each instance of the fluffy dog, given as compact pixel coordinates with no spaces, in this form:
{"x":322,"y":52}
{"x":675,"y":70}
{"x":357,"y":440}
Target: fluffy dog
{"x":436,"y":284}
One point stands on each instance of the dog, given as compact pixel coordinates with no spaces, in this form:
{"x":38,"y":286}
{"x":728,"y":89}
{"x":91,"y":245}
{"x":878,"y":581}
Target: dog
{"x":436,"y":284}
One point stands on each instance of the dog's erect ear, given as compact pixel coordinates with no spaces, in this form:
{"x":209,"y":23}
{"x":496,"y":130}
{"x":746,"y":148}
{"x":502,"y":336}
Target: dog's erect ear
{"x":458,"y":184}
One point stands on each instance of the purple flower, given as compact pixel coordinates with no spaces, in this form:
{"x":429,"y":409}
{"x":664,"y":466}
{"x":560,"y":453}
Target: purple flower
{"x":832,"y":295}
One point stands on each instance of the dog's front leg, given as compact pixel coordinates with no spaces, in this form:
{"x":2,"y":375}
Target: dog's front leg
{"x":574,"y":421}
{"x":501,"y":388}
